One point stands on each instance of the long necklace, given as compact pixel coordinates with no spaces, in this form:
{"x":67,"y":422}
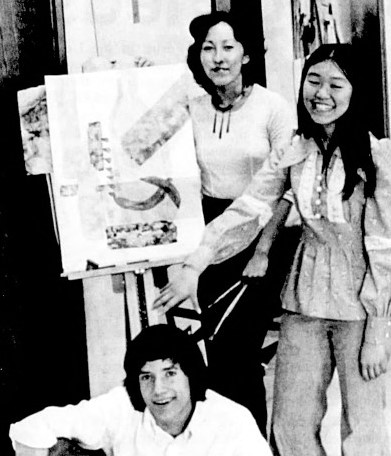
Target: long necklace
{"x":223,"y":110}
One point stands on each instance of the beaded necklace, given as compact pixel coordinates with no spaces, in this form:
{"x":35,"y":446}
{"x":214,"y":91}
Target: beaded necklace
{"x":223,"y":110}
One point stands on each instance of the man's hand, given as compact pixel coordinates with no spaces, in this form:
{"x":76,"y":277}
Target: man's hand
{"x":373,"y":361}
{"x":182,"y":285}
{"x":257,"y":266}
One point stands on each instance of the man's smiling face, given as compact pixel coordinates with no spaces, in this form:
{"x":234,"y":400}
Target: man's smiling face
{"x":166,"y":392}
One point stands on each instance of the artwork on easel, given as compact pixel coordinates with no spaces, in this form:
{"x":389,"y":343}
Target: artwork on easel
{"x":34,"y":127}
{"x":126,"y":183}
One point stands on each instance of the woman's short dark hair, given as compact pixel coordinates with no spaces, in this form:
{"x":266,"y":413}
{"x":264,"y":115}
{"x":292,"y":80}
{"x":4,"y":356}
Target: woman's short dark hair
{"x":164,"y":342}
{"x":199,"y":28}
{"x":351,"y":132}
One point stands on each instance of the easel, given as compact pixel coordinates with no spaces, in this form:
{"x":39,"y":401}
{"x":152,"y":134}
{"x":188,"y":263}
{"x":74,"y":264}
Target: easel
{"x":118,"y":305}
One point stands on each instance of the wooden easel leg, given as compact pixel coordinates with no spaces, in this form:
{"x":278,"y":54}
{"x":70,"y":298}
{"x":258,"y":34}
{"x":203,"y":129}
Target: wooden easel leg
{"x":106,"y":337}
{"x":140,"y":294}
{"x":117,"y":308}
{"x":132,"y":304}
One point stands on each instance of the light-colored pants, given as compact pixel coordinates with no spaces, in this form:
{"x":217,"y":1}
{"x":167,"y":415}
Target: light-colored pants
{"x":308,"y":352}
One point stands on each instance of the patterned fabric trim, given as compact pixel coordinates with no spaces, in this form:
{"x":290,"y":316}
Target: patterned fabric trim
{"x":334,"y":193}
{"x":304,"y":194}
{"x":377,"y":243}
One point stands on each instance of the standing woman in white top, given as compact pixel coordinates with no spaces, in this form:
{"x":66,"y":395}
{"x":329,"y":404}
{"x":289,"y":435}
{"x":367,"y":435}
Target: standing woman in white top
{"x":236,"y":124}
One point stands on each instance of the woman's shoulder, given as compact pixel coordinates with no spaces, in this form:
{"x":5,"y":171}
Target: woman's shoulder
{"x":296,"y":151}
{"x":224,"y":407}
{"x":200,"y":101}
{"x":381,"y":155}
{"x":380,"y":147}
{"x":267,"y":94}
{"x":379,"y":143}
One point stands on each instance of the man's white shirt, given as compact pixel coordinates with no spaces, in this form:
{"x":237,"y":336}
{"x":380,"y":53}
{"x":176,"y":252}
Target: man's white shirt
{"x":217,"y":427}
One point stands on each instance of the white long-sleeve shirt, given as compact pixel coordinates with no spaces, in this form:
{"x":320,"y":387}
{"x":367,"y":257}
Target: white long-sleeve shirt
{"x":218,"y":427}
{"x":228,"y":163}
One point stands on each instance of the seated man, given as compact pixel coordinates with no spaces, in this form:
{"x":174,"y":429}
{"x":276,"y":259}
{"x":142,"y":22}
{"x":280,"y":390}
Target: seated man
{"x":163,"y":408}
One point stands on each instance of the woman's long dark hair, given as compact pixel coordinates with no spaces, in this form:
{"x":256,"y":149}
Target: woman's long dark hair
{"x":351,"y":132}
{"x":199,"y":28}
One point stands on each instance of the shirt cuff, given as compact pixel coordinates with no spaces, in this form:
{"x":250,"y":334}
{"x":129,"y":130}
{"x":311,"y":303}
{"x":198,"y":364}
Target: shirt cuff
{"x":200,"y":259}
{"x":378,"y":330}
{"x":288,"y":196}
{"x":30,"y":436}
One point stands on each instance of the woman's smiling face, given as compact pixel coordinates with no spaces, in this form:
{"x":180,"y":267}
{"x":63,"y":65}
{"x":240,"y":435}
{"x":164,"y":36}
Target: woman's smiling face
{"x":326,"y":93}
{"x":222,"y":56}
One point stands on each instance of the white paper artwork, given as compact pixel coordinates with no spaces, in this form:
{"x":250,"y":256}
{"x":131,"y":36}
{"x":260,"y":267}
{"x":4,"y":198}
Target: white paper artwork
{"x":34,"y":128}
{"x":126,"y":183}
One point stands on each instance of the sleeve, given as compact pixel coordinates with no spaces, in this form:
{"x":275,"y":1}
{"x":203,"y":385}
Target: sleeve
{"x":90,"y":422}
{"x":376,"y":290}
{"x":281,"y":128}
{"x":248,"y":439}
{"x":281,"y":124}
{"x":240,"y":223}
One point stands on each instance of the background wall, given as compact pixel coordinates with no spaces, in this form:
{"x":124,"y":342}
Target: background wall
{"x":277,"y":24}
{"x":156,"y":29}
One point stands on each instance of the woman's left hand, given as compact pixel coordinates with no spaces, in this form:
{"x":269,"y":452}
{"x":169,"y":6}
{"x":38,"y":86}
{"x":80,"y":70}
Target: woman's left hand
{"x":373,"y":361}
{"x":257,"y":266}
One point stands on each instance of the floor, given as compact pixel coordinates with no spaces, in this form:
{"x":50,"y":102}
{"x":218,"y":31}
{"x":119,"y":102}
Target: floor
{"x":331,"y":422}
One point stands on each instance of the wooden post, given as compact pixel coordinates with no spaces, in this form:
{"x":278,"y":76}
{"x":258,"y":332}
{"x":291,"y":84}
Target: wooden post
{"x":105,"y":330}
{"x":223,"y":5}
{"x":385,"y":23}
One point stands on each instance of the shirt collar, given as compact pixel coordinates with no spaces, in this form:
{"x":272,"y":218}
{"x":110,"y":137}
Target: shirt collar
{"x":301,"y":148}
{"x":195,"y":421}
{"x":197,"y":418}
{"x":298,"y":151}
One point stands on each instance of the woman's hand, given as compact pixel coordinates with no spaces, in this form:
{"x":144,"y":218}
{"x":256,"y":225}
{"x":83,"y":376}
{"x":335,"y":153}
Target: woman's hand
{"x":120,"y":62}
{"x":182,"y":285}
{"x":141,"y":61}
{"x":373,"y":360}
{"x":257,"y":266}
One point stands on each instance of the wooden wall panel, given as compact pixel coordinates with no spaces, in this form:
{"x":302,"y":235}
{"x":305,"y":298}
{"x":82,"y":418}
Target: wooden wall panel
{"x":222,"y":5}
{"x":9,"y":52}
{"x":26,"y":40}
{"x":42,"y":342}
{"x":385,"y":11}
{"x":366,"y":16}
